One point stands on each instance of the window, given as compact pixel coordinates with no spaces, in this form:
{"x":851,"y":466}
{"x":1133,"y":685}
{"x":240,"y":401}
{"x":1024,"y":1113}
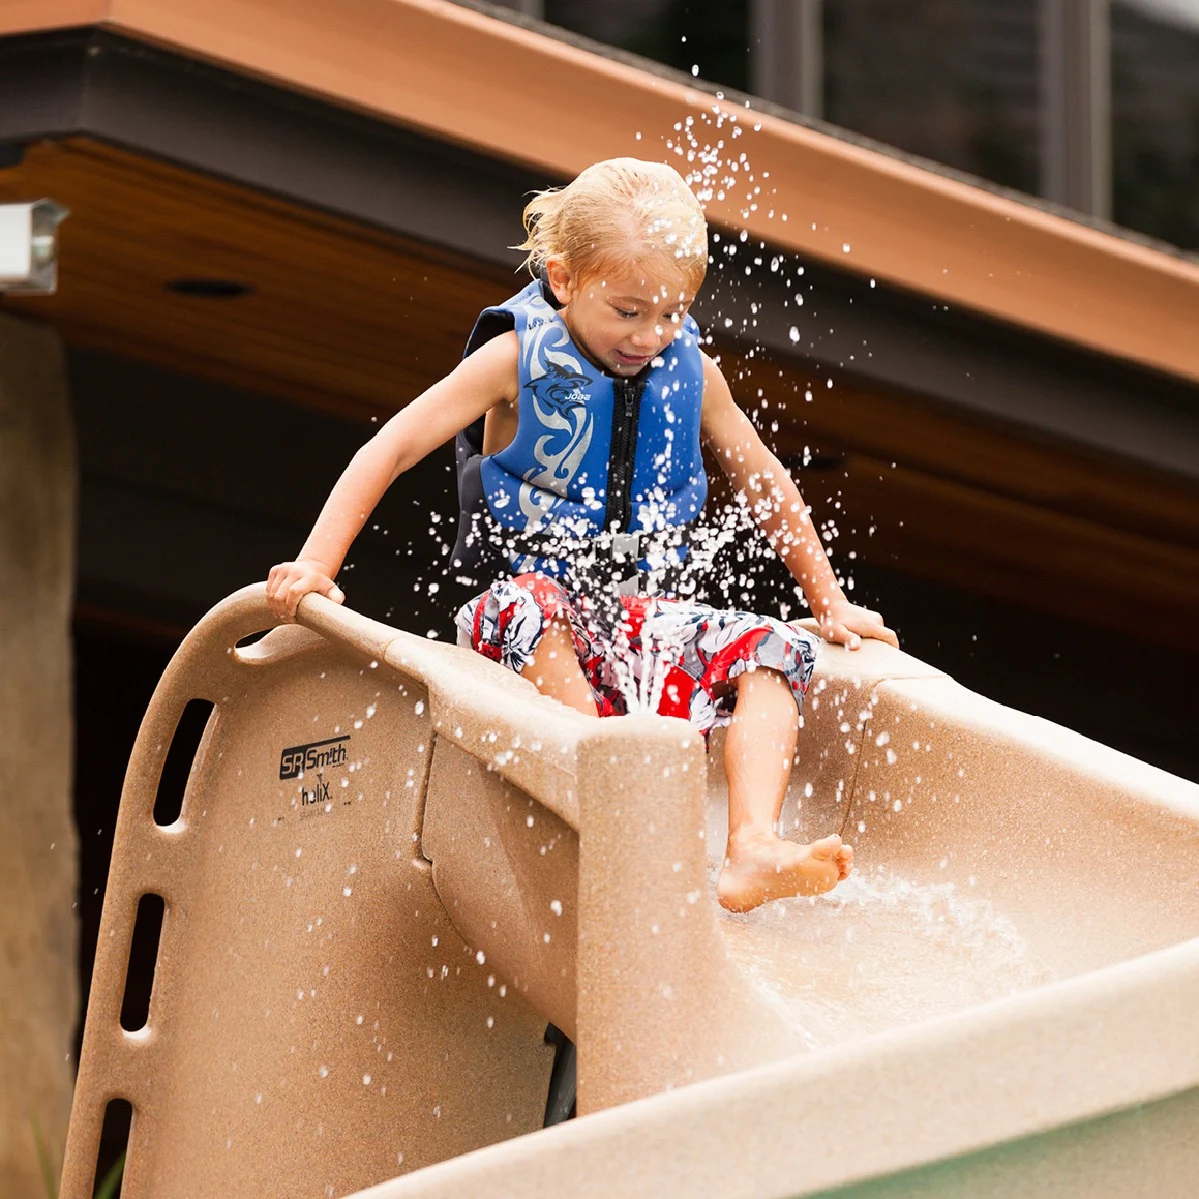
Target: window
{"x":1016,"y":92}
{"x":709,"y":34}
{"x":1155,"y":118}
{"x":956,"y":82}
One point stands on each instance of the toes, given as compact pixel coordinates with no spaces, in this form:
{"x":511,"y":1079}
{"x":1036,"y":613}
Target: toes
{"x":845,"y":861}
{"x":827,"y":847}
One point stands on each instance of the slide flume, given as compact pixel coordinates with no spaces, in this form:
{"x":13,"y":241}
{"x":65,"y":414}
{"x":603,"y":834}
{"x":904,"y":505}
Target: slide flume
{"x":396,"y":863}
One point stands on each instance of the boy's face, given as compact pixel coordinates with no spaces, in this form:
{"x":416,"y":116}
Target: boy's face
{"x":623,"y":317}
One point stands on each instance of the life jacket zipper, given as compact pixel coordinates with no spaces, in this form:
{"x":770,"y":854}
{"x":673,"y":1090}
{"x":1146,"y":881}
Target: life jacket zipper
{"x":626,"y":412}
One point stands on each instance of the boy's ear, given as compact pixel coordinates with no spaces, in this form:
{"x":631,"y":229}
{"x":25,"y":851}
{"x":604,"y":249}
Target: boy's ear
{"x":559,"y":278}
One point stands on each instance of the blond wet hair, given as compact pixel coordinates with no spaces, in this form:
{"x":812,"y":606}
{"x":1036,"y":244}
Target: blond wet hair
{"x":617,"y":212}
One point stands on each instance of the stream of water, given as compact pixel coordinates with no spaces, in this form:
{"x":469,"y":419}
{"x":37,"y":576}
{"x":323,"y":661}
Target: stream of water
{"x":879,"y":951}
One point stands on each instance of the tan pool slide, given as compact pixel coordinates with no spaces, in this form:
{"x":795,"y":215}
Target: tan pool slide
{"x":396,"y":864}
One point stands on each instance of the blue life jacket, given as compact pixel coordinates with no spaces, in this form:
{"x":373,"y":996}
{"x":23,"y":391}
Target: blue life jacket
{"x":598,"y":463}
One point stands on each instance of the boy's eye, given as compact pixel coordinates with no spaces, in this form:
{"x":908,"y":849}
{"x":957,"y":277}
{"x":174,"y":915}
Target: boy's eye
{"x":627,"y":313}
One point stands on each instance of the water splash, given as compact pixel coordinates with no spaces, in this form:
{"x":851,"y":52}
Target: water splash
{"x":880,"y":951}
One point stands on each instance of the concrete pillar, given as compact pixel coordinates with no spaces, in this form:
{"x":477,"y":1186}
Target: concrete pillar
{"x":38,"y":933}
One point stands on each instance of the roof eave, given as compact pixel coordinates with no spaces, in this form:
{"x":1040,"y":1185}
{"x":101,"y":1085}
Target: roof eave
{"x":459,"y":75}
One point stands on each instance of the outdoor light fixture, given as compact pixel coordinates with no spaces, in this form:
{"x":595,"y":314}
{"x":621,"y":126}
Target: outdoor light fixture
{"x":29,"y":247}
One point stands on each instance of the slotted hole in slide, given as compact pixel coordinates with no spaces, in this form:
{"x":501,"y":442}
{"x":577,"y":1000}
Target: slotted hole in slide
{"x":560,"y":1104}
{"x":168,"y":803}
{"x":143,"y":954}
{"x":114,"y":1141}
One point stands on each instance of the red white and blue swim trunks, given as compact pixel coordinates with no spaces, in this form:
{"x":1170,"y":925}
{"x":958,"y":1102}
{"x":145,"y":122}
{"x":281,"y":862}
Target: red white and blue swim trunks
{"x":668,"y":656}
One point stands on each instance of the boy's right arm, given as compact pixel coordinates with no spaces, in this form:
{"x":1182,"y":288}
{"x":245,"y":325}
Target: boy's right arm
{"x":488,"y":377}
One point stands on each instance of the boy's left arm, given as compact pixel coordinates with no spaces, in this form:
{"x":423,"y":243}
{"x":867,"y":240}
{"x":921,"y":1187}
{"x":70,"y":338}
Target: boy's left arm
{"x":779,"y":511}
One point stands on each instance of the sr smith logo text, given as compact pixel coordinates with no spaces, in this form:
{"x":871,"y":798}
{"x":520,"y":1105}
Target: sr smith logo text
{"x":316,"y":756}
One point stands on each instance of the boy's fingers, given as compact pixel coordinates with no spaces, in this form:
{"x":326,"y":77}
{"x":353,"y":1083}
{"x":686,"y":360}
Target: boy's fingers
{"x":295,"y":593}
{"x":840,"y":634}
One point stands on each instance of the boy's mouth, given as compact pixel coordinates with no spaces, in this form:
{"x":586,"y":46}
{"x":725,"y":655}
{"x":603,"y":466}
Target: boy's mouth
{"x":637,"y":360}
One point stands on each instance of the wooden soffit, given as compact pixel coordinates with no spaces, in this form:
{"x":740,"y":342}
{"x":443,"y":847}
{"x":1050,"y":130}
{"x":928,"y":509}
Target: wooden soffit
{"x":513,"y":91}
{"x":335,"y":316}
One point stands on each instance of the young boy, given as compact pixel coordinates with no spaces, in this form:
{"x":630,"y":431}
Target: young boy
{"x":580,"y":408}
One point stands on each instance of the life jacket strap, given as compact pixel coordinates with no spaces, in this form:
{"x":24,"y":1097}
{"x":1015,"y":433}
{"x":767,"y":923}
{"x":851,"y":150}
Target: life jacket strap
{"x":645,"y":557}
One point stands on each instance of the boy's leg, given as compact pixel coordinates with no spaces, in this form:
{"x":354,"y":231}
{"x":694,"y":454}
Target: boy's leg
{"x":554,"y":669}
{"x":760,"y":747}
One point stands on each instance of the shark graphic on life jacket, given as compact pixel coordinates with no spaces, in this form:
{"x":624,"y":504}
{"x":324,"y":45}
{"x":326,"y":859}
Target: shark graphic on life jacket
{"x":560,"y":388}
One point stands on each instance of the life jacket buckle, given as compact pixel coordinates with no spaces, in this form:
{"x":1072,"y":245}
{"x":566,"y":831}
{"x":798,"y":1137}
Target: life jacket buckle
{"x":626,"y":547}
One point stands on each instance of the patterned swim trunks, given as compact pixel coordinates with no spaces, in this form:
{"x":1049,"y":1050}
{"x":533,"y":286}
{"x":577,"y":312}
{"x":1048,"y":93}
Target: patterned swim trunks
{"x":658,"y":655}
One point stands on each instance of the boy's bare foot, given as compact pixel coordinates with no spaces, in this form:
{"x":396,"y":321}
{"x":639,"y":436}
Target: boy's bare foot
{"x":763,"y":867}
